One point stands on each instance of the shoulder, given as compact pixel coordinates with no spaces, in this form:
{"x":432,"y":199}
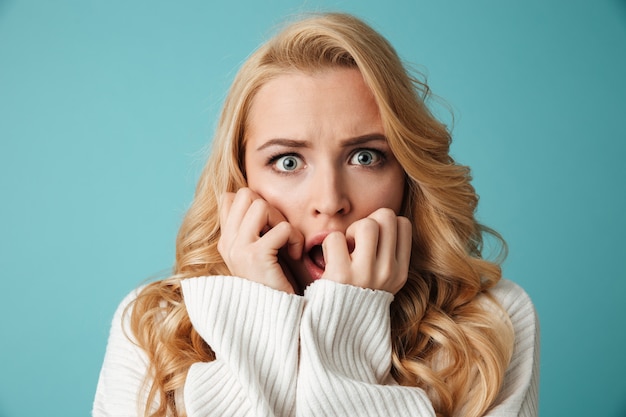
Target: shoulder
{"x":120,"y":324}
{"x":127,"y":301}
{"x":520,"y":389}
{"x":508,"y":290}
{"x":516,"y":302}
{"x":124,"y":367}
{"x":521,"y":311}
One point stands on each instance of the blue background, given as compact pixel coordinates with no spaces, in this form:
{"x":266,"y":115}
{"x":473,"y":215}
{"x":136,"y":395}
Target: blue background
{"x":106,"y":108}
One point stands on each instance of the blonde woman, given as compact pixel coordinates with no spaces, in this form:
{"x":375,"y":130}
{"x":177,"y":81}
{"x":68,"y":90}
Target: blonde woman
{"x":330,"y":264}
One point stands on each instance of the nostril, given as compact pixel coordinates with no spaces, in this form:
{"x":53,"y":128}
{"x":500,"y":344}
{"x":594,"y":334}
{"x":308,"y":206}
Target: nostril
{"x":339,"y":212}
{"x":334,"y":203}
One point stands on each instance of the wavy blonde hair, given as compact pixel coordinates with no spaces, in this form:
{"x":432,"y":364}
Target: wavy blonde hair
{"x":446,"y":337}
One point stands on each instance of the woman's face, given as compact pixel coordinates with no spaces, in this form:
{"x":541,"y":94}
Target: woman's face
{"x":316,"y":151}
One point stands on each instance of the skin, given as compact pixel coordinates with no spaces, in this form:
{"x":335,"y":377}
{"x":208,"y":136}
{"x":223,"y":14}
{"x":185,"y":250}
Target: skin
{"x":320,"y":172}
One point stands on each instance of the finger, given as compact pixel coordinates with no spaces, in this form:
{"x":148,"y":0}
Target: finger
{"x":272,"y":215}
{"x":276,"y":237}
{"x":236,"y":211}
{"x":225,"y":235}
{"x":294,"y":287}
{"x":239,"y":208}
{"x":256,"y":221}
{"x":404,"y":242}
{"x":284,"y":234}
{"x":336,"y":257}
{"x":295,"y":240}
{"x":402,"y":256}
{"x":225,"y":206}
{"x":388,"y":233}
{"x":364,"y":233}
{"x":295,"y":244}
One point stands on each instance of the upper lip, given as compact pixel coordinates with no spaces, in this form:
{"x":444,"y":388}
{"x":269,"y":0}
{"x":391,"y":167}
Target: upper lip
{"x":316,"y":239}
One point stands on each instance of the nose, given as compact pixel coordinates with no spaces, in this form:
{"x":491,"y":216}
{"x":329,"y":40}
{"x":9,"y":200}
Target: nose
{"x":329,"y":193}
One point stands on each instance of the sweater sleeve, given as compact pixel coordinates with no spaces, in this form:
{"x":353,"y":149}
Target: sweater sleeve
{"x":121,"y":382}
{"x":253,"y":331}
{"x":346,"y":356}
{"x":520,"y":390}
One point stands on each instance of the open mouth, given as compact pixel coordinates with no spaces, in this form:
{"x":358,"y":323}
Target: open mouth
{"x":317,"y":256}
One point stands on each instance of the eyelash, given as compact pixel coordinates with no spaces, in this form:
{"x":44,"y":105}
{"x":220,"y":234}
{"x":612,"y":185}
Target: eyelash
{"x":381,"y":154}
{"x":271,"y":161}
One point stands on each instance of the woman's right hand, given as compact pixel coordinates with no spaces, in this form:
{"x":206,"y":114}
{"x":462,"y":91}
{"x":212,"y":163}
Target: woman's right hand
{"x":252,"y":235}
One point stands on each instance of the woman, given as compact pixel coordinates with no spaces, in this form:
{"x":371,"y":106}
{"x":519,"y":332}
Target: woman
{"x":330,"y":263}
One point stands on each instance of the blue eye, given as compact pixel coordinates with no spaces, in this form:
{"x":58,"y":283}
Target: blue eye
{"x":365,"y":158}
{"x":287,"y":163}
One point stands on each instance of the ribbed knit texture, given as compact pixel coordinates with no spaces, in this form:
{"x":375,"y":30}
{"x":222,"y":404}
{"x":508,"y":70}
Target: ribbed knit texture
{"x":342,"y":368}
{"x":346,"y":356}
{"x":121,"y":386}
{"x":253,"y":331}
{"x":519,"y":395}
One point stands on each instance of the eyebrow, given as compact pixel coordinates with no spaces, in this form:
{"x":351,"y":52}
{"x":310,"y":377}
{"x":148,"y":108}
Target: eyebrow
{"x":294,"y":143}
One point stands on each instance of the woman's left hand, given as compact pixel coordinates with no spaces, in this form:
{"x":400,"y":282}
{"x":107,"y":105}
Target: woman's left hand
{"x":381,"y":255}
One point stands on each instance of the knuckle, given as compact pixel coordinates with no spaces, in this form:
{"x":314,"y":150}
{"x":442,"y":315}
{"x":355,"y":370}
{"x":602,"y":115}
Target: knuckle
{"x":246,"y":194}
{"x":280,"y":229}
{"x":332,"y":239}
{"x":244,"y":191}
{"x":241,"y":194}
{"x":384,"y":214}
{"x":259,"y":205}
{"x":334,"y":235}
{"x":388,"y":213}
{"x":404,"y":222}
{"x":367,"y":224}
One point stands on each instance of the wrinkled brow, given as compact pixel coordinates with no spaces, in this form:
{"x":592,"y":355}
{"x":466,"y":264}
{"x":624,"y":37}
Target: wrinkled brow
{"x":294,"y":143}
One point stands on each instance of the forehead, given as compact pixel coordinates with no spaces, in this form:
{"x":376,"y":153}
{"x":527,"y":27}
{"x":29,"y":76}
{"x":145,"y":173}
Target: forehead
{"x":324,"y":103}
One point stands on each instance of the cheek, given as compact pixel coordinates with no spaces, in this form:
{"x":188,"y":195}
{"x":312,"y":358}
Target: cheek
{"x":397,"y":195}
{"x":278,"y":196}
{"x":398,"y":189}
{"x":388,"y":193}
{"x":276,"y":191}
{"x":382,"y":199}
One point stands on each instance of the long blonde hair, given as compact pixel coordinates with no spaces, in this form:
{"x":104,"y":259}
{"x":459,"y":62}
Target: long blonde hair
{"x":446,"y":338}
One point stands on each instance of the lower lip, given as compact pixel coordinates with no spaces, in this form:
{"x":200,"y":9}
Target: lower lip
{"x":315,"y":272}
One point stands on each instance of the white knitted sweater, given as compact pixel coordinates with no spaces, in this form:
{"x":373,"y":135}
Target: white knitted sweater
{"x":327,"y":353}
